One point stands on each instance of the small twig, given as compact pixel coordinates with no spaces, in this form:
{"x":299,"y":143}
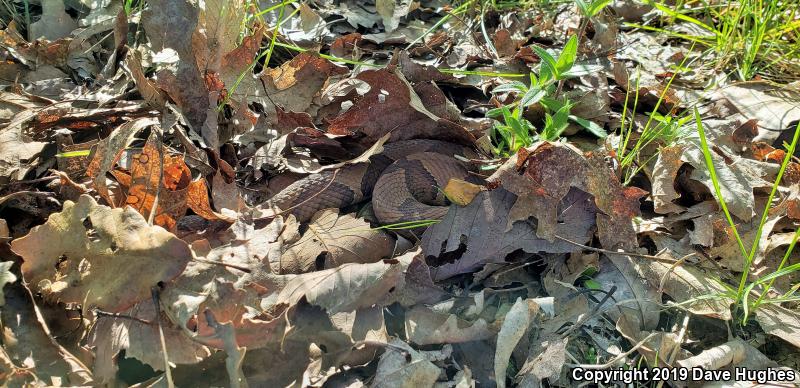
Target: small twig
{"x":104,"y":314}
{"x":674,"y":353}
{"x":157,"y":306}
{"x":614,"y":360}
{"x":23,"y":193}
{"x":620,"y":253}
{"x":37,"y":180}
{"x":671,"y":269}
{"x":229,"y":265}
{"x":595,"y":310}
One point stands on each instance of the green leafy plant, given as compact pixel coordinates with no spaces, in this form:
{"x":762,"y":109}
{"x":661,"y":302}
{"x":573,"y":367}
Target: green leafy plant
{"x":741,"y":295}
{"x":514,"y":131}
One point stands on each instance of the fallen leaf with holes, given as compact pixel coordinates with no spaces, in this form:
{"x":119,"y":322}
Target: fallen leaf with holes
{"x":392,"y":106}
{"x":223,"y":289}
{"x":469,"y":237}
{"x":99,"y":249}
{"x":543,"y":175}
{"x":162,"y":178}
{"x":332,"y":240}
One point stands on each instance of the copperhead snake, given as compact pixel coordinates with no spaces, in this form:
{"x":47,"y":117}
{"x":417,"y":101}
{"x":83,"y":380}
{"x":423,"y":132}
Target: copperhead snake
{"x":405,"y":182}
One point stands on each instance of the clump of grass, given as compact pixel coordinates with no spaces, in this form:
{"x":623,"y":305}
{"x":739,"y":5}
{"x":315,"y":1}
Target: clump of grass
{"x":756,"y":36}
{"x":742,"y":293}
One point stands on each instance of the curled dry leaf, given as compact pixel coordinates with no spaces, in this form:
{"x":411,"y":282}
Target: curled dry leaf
{"x":514,"y":326}
{"x":106,"y":258}
{"x":198,"y":200}
{"x":109,"y":150}
{"x":332,"y":240}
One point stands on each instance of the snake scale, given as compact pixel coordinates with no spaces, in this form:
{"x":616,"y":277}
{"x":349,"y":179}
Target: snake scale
{"x":405,"y":182}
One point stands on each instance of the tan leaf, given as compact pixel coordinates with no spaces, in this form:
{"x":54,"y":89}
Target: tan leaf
{"x":15,"y":148}
{"x":198,"y":201}
{"x":347,"y":287}
{"x":513,"y":328}
{"x":338,"y":240}
{"x":54,"y":24}
{"x":409,"y":370}
{"x":105,"y":258}
{"x":461,"y":192}
{"x":425,"y":327}
{"x":664,"y":174}
{"x":780,"y":322}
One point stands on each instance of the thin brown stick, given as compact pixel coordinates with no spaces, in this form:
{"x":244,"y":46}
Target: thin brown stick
{"x":614,"y":360}
{"x":214,"y":262}
{"x":620,"y":253}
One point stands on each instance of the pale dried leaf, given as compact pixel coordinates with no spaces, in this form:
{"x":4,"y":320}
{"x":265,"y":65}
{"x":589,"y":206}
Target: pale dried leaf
{"x":425,"y":327}
{"x":337,"y":240}
{"x":780,"y":322}
{"x":98,"y":250}
{"x":409,"y":370}
{"x":515,"y":324}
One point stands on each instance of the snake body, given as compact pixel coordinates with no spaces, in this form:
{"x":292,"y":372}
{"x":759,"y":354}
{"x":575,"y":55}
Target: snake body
{"x":405,"y":182}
